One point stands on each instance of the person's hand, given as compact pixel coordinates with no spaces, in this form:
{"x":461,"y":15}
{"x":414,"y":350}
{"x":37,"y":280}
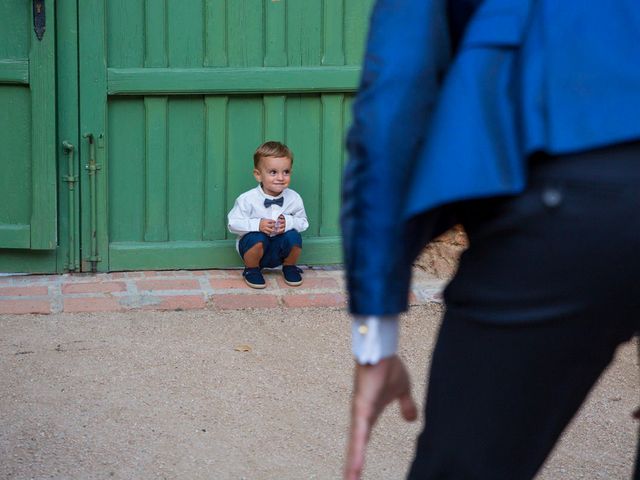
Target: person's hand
{"x":375,"y":387}
{"x":267,"y":226}
{"x":282,"y":223}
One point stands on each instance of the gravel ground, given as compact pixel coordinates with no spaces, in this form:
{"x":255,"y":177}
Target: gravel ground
{"x":253,"y":394}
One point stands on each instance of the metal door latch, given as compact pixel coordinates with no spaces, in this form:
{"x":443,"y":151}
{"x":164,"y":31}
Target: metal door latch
{"x":39,"y":18}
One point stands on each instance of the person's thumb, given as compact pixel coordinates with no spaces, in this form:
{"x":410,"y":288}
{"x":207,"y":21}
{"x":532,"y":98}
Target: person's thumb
{"x":408,"y":407}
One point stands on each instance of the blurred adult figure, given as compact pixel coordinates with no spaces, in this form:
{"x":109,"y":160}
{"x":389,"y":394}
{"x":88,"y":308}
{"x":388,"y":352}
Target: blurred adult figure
{"x":519,"y":120}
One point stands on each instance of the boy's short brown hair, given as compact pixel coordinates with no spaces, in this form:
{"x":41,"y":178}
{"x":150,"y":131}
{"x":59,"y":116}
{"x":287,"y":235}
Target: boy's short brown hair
{"x":272,"y":149}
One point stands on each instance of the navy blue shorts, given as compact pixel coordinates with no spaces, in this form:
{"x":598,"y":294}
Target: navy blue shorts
{"x":276,"y":249}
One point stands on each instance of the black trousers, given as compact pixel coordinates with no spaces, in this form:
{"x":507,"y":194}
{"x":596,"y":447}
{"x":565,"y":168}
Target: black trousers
{"x":546,"y":292}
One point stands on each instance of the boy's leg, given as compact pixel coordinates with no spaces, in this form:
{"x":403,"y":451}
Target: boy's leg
{"x":292,"y":258}
{"x":252,"y":248}
{"x":290,"y":250}
{"x":291,"y":247}
{"x":253,"y":256}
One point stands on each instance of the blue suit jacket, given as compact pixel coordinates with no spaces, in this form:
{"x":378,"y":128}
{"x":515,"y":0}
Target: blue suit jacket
{"x":434,"y":126}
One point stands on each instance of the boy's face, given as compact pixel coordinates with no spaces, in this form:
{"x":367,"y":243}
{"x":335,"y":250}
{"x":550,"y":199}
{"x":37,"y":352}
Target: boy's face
{"x":274,"y":173}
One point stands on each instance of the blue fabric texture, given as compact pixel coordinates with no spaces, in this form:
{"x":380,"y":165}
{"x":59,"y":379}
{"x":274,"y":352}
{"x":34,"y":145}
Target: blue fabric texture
{"x":276,"y":248}
{"x":432,"y":128}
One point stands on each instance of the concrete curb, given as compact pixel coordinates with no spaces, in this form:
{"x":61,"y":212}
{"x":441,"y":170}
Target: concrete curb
{"x":183,"y":290}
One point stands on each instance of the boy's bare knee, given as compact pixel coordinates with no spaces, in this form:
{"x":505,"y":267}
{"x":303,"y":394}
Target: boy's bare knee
{"x":257,"y":248}
{"x":253,"y":256}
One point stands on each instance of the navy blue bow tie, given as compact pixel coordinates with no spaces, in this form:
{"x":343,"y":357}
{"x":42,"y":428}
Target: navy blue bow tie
{"x":278,"y":201}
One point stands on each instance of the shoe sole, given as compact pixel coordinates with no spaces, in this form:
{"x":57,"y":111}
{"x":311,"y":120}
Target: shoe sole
{"x":293,"y":284}
{"x":255,"y":285}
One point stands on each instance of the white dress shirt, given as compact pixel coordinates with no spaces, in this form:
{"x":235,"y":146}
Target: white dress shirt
{"x":249,"y":209}
{"x":374,"y":337}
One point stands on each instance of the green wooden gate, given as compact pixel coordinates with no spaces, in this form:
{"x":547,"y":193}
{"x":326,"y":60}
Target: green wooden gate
{"x":27,"y":130}
{"x":173,"y":97}
{"x":39,"y":202}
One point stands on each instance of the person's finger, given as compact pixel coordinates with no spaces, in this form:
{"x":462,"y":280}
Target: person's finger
{"x":358,"y":439}
{"x":408,"y":407}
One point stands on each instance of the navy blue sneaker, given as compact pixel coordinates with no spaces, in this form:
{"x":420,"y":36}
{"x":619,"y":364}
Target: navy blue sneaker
{"x":253,"y":277}
{"x":292,"y":275}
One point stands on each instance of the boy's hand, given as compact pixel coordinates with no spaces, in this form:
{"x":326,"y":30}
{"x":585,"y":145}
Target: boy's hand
{"x":282,"y":223}
{"x":267,"y":226}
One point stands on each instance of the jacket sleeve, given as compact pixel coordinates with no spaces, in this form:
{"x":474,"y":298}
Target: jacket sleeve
{"x":406,"y":56}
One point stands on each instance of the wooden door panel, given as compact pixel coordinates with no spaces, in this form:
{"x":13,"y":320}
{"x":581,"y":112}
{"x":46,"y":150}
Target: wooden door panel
{"x":27,"y":129}
{"x":189,"y":89}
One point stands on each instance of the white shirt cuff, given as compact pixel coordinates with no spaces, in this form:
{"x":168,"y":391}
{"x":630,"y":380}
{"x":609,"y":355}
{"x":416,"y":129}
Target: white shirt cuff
{"x":374,"y":338}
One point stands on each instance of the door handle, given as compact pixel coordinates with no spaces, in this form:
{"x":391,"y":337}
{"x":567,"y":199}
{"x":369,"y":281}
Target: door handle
{"x":92,"y":168}
{"x":71,"y":178}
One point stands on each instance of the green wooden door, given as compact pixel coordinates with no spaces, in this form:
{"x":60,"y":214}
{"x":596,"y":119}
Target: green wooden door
{"x":177,"y":94}
{"x":27,"y":129}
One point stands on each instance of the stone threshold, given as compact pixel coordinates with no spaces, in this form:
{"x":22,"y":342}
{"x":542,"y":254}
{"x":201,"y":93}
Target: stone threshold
{"x":184,"y":290}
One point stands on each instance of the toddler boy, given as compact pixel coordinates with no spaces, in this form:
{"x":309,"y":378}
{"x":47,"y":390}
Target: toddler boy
{"x":269,"y":218}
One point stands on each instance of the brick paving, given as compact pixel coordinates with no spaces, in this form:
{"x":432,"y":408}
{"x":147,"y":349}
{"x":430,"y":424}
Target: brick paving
{"x":183,"y":290}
